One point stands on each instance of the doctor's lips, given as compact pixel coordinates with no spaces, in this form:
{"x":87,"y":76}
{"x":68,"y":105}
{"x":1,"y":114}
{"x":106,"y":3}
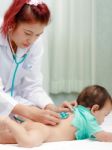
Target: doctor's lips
{"x":26,"y":45}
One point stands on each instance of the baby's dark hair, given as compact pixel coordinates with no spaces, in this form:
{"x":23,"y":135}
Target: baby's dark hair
{"x":92,"y":95}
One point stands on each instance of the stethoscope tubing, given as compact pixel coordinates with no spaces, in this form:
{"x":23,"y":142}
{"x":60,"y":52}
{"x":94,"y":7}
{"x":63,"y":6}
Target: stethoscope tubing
{"x":15,"y":70}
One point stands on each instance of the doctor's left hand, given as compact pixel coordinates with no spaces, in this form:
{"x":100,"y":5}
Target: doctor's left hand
{"x":60,"y":108}
{"x":64,"y":107}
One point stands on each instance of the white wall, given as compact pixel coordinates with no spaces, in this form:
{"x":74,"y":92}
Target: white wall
{"x":3,"y":6}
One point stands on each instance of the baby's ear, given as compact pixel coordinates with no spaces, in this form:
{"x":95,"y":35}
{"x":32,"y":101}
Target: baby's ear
{"x":94,"y":108}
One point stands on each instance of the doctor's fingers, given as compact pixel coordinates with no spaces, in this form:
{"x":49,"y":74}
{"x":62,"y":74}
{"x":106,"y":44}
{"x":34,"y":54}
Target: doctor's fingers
{"x":74,"y":103}
{"x":63,"y":109}
{"x":51,"y":117}
{"x":51,"y":113}
{"x":50,"y":120}
{"x":66,"y":105}
{"x":57,"y":109}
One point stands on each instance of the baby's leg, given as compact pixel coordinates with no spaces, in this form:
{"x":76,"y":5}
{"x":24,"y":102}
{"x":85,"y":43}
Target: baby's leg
{"x":29,"y":135}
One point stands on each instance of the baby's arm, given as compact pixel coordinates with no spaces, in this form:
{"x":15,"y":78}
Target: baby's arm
{"x":104,"y":136}
{"x":30,"y":137}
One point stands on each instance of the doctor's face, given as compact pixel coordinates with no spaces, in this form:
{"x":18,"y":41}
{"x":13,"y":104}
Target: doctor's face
{"x":25,"y":34}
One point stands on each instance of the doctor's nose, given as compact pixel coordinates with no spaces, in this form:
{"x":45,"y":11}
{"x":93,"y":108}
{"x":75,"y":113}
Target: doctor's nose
{"x":31,"y":40}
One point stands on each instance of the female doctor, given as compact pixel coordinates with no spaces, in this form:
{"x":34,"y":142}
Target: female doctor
{"x":20,"y":63}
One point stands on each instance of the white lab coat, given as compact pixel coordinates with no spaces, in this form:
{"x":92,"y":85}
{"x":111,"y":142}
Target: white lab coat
{"x":28,"y":83}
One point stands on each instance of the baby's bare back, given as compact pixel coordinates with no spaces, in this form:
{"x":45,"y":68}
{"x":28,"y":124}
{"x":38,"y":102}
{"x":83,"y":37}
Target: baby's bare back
{"x":63,"y":131}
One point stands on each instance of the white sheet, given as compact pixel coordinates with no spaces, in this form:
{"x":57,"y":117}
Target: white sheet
{"x":70,"y":145}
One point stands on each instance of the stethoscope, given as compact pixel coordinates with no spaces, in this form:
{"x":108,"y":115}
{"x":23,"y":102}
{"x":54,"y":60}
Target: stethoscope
{"x":15,"y":70}
{"x":17,"y":65}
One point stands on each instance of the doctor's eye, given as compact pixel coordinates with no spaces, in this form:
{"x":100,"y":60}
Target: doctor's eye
{"x":37,"y":36}
{"x":29,"y":34}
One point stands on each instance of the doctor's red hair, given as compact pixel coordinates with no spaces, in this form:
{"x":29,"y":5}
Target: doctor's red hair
{"x":21,"y":12}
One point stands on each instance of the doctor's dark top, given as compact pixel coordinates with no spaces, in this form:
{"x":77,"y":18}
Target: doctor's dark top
{"x":28,"y":82}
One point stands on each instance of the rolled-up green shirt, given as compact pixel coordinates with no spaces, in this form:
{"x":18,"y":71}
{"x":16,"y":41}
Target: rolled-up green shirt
{"x":85,"y":123}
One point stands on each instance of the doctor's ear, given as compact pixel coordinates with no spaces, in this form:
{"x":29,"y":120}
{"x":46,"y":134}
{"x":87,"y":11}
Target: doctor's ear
{"x":11,"y":28}
{"x":94,"y":108}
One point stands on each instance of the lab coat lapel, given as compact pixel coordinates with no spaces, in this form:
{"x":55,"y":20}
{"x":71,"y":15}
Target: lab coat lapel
{"x":20,"y":73}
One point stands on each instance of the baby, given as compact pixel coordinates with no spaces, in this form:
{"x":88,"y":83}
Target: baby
{"x":93,"y":104}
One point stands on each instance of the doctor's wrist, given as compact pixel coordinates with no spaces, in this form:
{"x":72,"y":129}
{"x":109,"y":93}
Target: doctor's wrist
{"x":21,"y":109}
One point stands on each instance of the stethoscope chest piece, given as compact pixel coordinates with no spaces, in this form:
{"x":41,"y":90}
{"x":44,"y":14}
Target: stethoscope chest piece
{"x":64,"y":115}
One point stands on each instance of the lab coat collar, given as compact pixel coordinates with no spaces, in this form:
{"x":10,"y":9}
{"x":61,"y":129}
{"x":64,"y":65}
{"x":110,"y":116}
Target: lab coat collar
{"x":3,"y":40}
{"x":21,"y":52}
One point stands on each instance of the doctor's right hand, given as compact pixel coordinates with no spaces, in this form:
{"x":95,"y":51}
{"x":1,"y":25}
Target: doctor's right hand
{"x":48,"y":117}
{"x":33,"y":113}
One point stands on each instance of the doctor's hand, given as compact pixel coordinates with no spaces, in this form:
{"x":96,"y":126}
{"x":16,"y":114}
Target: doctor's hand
{"x":68,"y":105}
{"x":45,"y":116}
{"x":36,"y":114}
{"x":57,"y":109}
{"x":64,"y":107}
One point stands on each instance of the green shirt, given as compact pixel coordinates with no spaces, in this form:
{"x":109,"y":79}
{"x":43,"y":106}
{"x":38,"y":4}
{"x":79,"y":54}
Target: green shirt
{"x":85,"y":123}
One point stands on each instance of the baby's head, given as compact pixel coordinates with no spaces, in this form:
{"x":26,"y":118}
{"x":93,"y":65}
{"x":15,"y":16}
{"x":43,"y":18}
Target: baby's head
{"x":97,"y":99}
